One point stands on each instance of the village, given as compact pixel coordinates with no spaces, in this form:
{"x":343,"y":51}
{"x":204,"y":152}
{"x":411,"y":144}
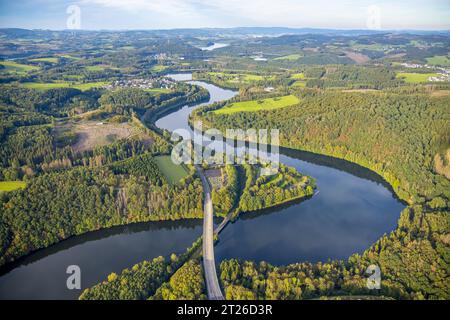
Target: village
{"x":443,"y":74}
{"x":140,"y":83}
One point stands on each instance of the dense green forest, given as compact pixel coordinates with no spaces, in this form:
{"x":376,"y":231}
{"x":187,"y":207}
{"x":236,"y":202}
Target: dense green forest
{"x":414,"y":259}
{"x":398,"y":135}
{"x":137,"y":283}
{"x":55,"y":206}
{"x":30,"y":142}
{"x":186,"y":284}
{"x":225,"y":198}
{"x":265,"y":191}
{"x":159,"y":279}
{"x":124,"y":101}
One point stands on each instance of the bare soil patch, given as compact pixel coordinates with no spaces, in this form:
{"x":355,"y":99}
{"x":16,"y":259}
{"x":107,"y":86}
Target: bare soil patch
{"x":359,"y":58}
{"x":92,"y":134}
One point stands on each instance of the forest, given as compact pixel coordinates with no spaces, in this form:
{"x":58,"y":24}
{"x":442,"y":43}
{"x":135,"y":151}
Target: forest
{"x":57,"y":205}
{"x":396,"y":135}
{"x":414,"y":259}
{"x":402,"y":136}
{"x":175,"y":278}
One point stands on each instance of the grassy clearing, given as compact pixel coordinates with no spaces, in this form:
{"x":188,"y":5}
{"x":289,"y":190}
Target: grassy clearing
{"x":443,"y":61}
{"x":173,"y":173}
{"x":100,"y":67}
{"x":290,"y":57}
{"x":159,"y":68}
{"x":239,"y":77}
{"x":47,"y":59}
{"x":14,"y":67}
{"x":53,"y":85}
{"x":259,"y":105}
{"x":68,"y":56}
{"x":298,"y":76}
{"x":300,"y":84}
{"x":6,"y":186}
{"x":415,"y":77}
{"x":157,"y":90}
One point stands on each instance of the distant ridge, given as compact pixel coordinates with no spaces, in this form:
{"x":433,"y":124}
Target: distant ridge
{"x":252,"y":31}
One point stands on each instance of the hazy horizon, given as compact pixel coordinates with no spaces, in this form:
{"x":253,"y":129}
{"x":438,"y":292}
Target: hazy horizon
{"x":231,"y":28}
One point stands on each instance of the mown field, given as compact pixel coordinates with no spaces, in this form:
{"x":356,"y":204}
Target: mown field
{"x":46,"y":59}
{"x":259,"y":105}
{"x":6,"y":186}
{"x":290,"y":57}
{"x":415,"y":77}
{"x":443,"y":61}
{"x":158,"y":68}
{"x":173,"y":173}
{"x":157,"y":90}
{"x":99,"y":68}
{"x":53,"y":85}
{"x":240,"y":77}
{"x":298,"y":76}
{"x":14,"y":67}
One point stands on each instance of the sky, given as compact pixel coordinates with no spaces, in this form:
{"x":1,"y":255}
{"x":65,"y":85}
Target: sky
{"x":169,"y":14}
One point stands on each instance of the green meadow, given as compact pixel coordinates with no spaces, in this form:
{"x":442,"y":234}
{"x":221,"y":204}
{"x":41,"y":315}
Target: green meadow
{"x":240,"y":77}
{"x":6,"y":186}
{"x":67,"y":56}
{"x":173,"y":172}
{"x":415,"y":77}
{"x":157,"y":90}
{"x":300,"y":84}
{"x":14,"y":67}
{"x":47,"y":59}
{"x":443,"y":61}
{"x":158,"y":68}
{"x":259,"y":105}
{"x":54,"y":85}
{"x":290,"y":57}
{"x":298,"y":76}
{"x":99,"y":68}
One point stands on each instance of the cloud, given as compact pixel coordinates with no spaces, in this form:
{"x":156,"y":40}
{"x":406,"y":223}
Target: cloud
{"x":141,"y":14}
{"x":248,"y":12}
{"x":170,"y":7}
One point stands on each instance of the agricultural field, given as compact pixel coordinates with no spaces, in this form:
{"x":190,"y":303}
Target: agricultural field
{"x":259,"y":105}
{"x":18,"y":68}
{"x":6,"y":186}
{"x":46,"y":59}
{"x":157,"y":90}
{"x":53,"y":85}
{"x":99,"y":68}
{"x":299,"y":84}
{"x":240,"y":77}
{"x":442,"y":61}
{"x":415,"y":77}
{"x":290,"y":57}
{"x":298,"y":76}
{"x":158,"y":68}
{"x":173,"y":172}
{"x":67,"y":56}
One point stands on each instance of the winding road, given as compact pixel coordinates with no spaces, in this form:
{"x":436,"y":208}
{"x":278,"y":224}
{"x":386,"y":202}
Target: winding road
{"x":209,"y":265}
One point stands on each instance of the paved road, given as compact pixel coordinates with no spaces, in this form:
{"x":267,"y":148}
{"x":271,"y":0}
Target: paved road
{"x":209,"y":265}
